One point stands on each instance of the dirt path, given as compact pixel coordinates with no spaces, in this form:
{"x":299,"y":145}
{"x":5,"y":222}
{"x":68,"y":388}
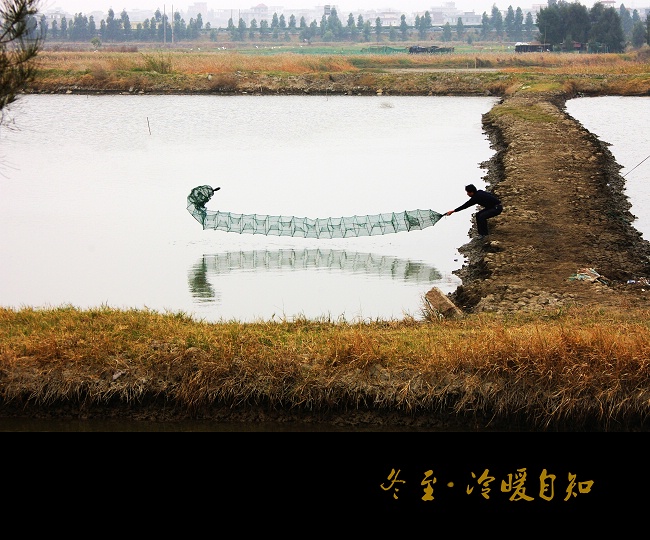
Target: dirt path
{"x":564,"y":210}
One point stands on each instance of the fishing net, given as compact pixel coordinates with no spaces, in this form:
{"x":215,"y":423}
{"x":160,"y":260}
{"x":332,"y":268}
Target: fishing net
{"x":287,"y":260}
{"x":326,"y":259}
{"x":339,"y":227}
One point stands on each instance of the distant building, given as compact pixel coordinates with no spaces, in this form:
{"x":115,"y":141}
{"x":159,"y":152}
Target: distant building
{"x":57,"y":14}
{"x":448,"y":13}
{"x":387,"y":17}
{"x":198,"y":7}
{"x":137,"y":16}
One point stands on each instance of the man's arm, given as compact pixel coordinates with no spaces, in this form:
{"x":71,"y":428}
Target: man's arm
{"x":462,"y":206}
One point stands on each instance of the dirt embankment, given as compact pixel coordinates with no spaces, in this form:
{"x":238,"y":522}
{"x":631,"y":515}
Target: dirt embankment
{"x":564,"y":211}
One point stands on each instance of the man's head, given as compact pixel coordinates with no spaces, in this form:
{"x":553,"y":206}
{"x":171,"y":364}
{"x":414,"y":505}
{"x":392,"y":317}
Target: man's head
{"x":471,"y":189}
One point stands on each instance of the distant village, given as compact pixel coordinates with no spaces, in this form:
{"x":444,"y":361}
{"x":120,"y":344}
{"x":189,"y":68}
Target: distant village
{"x":218,"y":18}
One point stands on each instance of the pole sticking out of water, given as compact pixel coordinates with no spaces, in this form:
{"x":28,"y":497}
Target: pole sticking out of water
{"x":148,"y":125}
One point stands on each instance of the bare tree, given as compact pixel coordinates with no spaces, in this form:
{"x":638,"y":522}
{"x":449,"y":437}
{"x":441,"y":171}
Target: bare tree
{"x":19,"y":44}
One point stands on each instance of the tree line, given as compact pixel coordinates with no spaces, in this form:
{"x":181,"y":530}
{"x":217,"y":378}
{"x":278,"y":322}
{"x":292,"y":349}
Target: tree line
{"x":331,"y":28}
{"x":561,"y":24}
{"x":82,"y":28}
{"x":603,"y":29}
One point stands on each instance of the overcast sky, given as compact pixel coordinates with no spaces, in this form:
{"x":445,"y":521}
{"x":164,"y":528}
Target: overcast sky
{"x":344,"y":6}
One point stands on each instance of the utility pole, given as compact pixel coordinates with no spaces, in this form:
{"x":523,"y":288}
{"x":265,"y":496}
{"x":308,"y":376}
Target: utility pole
{"x":164,"y":26}
{"x":172,"y":24}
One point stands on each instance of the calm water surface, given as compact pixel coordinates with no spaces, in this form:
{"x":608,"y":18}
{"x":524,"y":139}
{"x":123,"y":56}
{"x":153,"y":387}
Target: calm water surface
{"x":623,"y":122}
{"x":93,"y":202}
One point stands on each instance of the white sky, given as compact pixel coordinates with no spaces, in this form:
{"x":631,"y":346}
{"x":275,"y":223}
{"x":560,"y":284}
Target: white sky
{"x":343,"y":6}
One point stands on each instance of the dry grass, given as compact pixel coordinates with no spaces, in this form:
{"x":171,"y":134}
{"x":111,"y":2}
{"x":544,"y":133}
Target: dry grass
{"x":577,"y":64}
{"x":570,"y":369}
{"x":219,"y":62}
{"x":216,"y":62}
{"x":231,"y":71}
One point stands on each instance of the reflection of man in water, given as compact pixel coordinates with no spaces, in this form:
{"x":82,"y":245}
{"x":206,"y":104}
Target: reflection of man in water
{"x":490,"y":203}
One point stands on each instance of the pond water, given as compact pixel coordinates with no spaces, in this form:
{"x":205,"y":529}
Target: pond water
{"x":622,"y":121}
{"x":93,"y":196}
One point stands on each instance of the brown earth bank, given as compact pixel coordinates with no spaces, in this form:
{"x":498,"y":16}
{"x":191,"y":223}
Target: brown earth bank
{"x":565,"y":211}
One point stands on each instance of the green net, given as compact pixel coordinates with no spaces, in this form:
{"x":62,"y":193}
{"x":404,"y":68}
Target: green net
{"x":287,"y":260}
{"x":339,"y":227}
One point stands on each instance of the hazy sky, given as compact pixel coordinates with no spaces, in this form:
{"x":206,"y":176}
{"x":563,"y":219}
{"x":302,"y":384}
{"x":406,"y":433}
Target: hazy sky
{"x":344,"y":6}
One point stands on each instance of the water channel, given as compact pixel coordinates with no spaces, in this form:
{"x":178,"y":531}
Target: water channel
{"x":622,"y":122}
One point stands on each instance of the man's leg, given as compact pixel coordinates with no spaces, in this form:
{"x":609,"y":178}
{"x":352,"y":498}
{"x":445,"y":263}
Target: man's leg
{"x":482,"y":217}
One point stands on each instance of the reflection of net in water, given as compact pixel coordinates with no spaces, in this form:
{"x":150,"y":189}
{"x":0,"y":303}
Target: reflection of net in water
{"x":339,"y":227}
{"x":198,"y":280}
{"x":290,"y":260}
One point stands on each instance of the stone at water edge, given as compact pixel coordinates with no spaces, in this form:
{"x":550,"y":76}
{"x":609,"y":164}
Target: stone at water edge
{"x":439,"y":303}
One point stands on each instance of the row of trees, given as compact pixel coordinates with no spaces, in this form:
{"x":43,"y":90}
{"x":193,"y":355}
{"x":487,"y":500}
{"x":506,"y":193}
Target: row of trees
{"x":604,"y":29}
{"x":119,"y":29}
{"x":513,"y":27}
{"x":331,"y":28}
{"x":561,"y":24}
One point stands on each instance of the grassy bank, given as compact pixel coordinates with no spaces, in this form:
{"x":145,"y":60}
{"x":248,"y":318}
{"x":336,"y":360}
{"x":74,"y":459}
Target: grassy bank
{"x":566,"y":369}
{"x":228,"y":71}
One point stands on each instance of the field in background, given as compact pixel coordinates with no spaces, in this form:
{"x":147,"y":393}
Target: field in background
{"x":316,"y":59}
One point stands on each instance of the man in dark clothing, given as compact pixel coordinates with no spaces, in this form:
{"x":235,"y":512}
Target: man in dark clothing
{"x":490,"y":203}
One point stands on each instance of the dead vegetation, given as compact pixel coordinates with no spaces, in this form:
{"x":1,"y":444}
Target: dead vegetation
{"x":570,"y":369}
{"x":194,"y":71}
